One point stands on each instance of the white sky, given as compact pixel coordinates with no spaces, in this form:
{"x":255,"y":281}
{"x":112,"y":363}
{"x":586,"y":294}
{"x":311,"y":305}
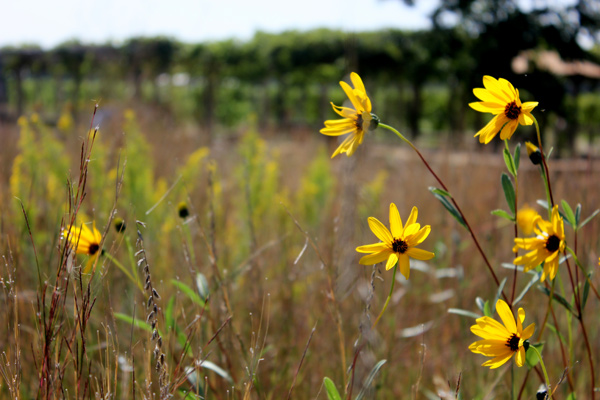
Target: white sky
{"x":50,"y":22}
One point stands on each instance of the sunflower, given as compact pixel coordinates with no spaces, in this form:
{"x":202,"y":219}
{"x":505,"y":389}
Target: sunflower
{"x":526,"y":219}
{"x":86,"y":241}
{"x":545,"y":247}
{"x":501,"y":99}
{"x":399,"y":244}
{"x":501,"y":341}
{"x":355,"y":121}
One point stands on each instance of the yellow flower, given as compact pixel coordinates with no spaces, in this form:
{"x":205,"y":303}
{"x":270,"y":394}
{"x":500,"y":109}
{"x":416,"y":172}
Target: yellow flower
{"x":526,"y":219}
{"x":85,"y":241}
{"x":399,"y":244}
{"x":501,"y":341}
{"x":501,"y":99}
{"x":355,"y":121}
{"x":545,"y":247}
{"x":534,"y":153}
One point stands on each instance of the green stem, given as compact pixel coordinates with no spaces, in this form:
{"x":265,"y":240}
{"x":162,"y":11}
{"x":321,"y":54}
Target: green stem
{"x":516,"y":251}
{"x":188,"y":237}
{"x":544,"y":370}
{"x":389,"y":296}
{"x":124,"y":270}
{"x":485,"y":259}
{"x":545,"y":165}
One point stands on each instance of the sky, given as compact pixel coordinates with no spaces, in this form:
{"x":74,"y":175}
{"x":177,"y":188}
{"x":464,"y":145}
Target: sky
{"x":49,"y":23}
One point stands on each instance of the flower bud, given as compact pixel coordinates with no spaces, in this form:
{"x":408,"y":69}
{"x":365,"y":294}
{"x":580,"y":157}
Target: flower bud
{"x":374,"y":122}
{"x":183,"y":211}
{"x":120,"y":225}
{"x":534,"y":153}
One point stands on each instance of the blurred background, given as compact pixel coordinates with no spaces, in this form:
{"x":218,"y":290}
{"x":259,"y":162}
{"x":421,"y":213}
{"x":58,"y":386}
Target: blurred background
{"x":218,"y":105}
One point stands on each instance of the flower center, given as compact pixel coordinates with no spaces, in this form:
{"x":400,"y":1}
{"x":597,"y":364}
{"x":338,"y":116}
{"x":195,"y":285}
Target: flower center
{"x":513,"y":342}
{"x":94,"y":247}
{"x":399,"y":246}
{"x":552,"y":244}
{"x":359,"y":122}
{"x":512,"y":111}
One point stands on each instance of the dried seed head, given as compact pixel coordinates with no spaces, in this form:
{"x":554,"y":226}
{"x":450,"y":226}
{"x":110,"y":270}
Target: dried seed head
{"x":155,"y":293}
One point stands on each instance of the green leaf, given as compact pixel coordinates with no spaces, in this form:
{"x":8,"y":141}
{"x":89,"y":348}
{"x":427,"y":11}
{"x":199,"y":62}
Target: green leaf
{"x":188,"y":291}
{"x":369,"y":380}
{"x":588,"y":219}
{"x":543,"y":203}
{"x":556,"y":332}
{"x":586,"y":291}
{"x":215,"y":368}
{"x":332,"y":392}
{"x":510,"y":163}
{"x":532,"y":281}
{"x":571,"y":396}
{"x":568,"y":213}
{"x":509,"y":192}
{"x":531,"y":357}
{"x":169,"y":319}
{"x":503,"y":214}
{"x":464,"y":313}
{"x":498,"y":294}
{"x":138,"y":323}
{"x":487,"y":311}
{"x":578,"y":214}
{"x":202,"y":286}
{"x":561,"y":300}
{"x":449,"y":206}
{"x":480,"y":303}
{"x":517,"y":156}
{"x":439,"y":191}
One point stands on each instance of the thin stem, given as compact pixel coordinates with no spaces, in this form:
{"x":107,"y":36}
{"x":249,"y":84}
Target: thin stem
{"x":544,"y":370}
{"x":485,"y":259}
{"x":389,"y":296}
{"x":539,"y":138}
{"x":516,"y":251}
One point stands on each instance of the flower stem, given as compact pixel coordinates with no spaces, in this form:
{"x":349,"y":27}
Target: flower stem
{"x":516,"y":251}
{"x":545,"y":165}
{"x":389,"y":296}
{"x":485,"y":259}
{"x":544,"y":370}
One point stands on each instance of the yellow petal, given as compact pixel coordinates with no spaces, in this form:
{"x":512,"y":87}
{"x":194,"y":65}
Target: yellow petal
{"x":392,"y":260}
{"x":419,"y":254}
{"x":506,"y":315}
{"x":375,"y":258}
{"x":508,"y":129}
{"x":380,"y":230}
{"x":357,"y":82}
{"x":488,"y":107}
{"x":353,"y":99}
{"x":404,"y":265}
{"x":418,"y":237}
{"x":520,"y":357}
{"x":372,"y":248}
{"x":498,"y":361}
{"x":528,"y":332}
{"x":395,"y":221}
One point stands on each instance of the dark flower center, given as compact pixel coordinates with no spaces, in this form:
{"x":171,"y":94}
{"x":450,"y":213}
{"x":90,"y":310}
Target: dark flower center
{"x":513,"y":342}
{"x":94,"y":247}
{"x":512,"y":111}
{"x":552,"y":243}
{"x":399,"y":246}
{"x":359,"y":122}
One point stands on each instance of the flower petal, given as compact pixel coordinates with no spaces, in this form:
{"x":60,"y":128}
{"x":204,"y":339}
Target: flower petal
{"x":506,"y":315}
{"x":395,"y":221}
{"x":392,"y":260}
{"x":380,"y":230}
{"x":375,"y":258}
{"x":419,"y":254}
{"x":404,"y":265}
{"x":372,"y":248}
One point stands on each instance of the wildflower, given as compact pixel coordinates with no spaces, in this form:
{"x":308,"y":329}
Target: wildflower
{"x":502,"y":341}
{"x":183,"y":211}
{"x":526,"y":219}
{"x":355,"y":121}
{"x":501,"y":99}
{"x":86,"y":241}
{"x":545,"y":247}
{"x":120,"y":225}
{"x":399,"y":244}
{"x":534,"y":153}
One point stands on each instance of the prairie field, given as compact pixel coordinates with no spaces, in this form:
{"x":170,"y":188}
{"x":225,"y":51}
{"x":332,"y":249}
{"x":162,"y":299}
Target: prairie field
{"x":248,"y":241}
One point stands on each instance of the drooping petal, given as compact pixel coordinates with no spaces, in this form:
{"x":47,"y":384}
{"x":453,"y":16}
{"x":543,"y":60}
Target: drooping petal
{"x":520,"y":357}
{"x":353,"y":99}
{"x":404,"y":265}
{"x":375,"y":258}
{"x":498,"y":361}
{"x":392,"y":260}
{"x":418,"y":237}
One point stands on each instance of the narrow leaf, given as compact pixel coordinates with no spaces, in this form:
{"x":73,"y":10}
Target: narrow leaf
{"x":509,"y":192}
{"x":588,"y":219}
{"x":138,"y":323}
{"x":487,"y":311}
{"x":202,"y":286}
{"x":503,"y":214}
{"x":578,"y":214}
{"x":332,"y":392}
{"x":543,"y":203}
{"x":517,"y":156}
{"x":369,"y":380}
{"x":586,"y":291}
{"x":510,"y":163}
{"x":498,"y":294}
{"x":561,"y":300}
{"x":480,"y":303}
{"x":450,"y":207}
{"x":169,"y":310}
{"x":188,"y":291}
{"x":215,"y":368}
{"x":531,"y":282}
{"x":439,"y":191}
{"x":464,"y":313}
{"x":568,"y":212}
